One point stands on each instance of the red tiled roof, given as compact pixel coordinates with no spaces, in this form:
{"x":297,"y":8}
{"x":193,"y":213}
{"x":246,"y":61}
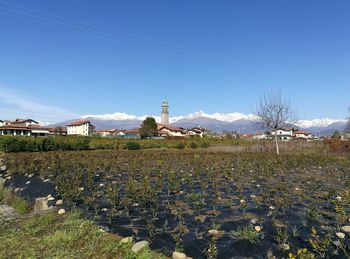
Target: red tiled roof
{"x":170,"y":128}
{"x":301,"y":132}
{"x":57,"y":130}
{"x":19,"y":126}
{"x":78,"y":123}
{"x":132,"y":131}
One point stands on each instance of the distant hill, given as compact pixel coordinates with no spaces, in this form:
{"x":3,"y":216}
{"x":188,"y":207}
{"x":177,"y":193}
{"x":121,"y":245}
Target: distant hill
{"x":217,"y":122}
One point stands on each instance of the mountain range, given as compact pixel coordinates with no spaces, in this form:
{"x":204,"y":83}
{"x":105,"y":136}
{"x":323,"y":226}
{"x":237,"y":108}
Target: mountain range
{"x":217,"y":122}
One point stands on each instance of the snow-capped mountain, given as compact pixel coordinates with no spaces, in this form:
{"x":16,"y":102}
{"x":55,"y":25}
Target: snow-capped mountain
{"x":217,"y":122}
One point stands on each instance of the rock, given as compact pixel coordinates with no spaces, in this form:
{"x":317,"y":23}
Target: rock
{"x":285,"y":247}
{"x":59,"y":202}
{"x":61,"y":211}
{"x":213,"y":232}
{"x":253,"y":221}
{"x":339,"y":198}
{"x":3,"y":168}
{"x":346,"y":229}
{"x":126,"y":240}
{"x":28,"y":182}
{"x":257,"y":228}
{"x":341,"y":235}
{"x":2,"y":183}
{"x":40,"y":204}
{"x":178,"y":255}
{"x":81,"y":189}
{"x":7,"y":213}
{"x":242,"y":201}
{"x":51,"y":199}
{"x":137,"y":247}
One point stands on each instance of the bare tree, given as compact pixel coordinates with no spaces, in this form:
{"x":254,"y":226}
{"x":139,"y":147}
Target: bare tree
{"x":274,"y":112}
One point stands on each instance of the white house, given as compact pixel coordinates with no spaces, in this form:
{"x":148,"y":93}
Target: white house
{"x":260,"y":136}
{"x":283,"y":134}
{"x":197,"y":131}
{"x":81,"y":127}
{"x":22,"y":127}
{"x":300,"y":134}
{"x":169,"y":131}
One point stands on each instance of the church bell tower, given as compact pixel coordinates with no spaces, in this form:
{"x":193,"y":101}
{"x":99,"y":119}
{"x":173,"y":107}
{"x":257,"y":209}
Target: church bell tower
{"x":165,"y":113}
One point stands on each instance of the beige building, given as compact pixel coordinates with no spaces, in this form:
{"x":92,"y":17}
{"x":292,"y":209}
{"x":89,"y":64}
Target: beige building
{"x":82,"y":127}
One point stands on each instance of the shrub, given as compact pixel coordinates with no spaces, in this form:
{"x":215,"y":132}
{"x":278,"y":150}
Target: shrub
{"x":132,"y":145}
{"x":193,"y":145}
{"x":180,"y":145}
{"x":204,"y":144}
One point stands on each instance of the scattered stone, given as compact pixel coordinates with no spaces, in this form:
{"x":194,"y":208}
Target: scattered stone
{"x":253,"y":221}
{"x":8,"y":177}
{"x":341,"y":235}
{"x":126,"y":240}
{"x":81,"y":189}
{"x":7,"y":213}
{"x":3,"y":168}
{"x":51,"y":199}
{"x":102,"y":230}
{"x":257,"y":228}
{"x":242,"y":201}
{"x":272,"y":207}
{"x":46,"y":180}
{"x":297,"y":189}
{"x":31,"y":175}
{"x":346,"y":229}
{"x":101,"y":185}
{"x":59,"y":202}
{"x":213,"y":232}
{"x":137,"y":247}
{"x":28,"y":182}
{"x":336,"y":243}
{"x":338,"y":198}
{"x":285,"y":247}
{"x":279,"y":223}
{"x":40,"y":204}
{"x":178,"y":255}
{"x":258,"y":185}
{"x":2,"y":183}
{"x":61,"y":211}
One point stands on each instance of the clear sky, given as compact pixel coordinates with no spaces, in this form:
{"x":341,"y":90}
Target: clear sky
{"x":63,"y":58}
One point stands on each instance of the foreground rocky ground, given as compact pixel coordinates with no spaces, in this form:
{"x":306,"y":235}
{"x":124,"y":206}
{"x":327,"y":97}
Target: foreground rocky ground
{"x":206,"y":204}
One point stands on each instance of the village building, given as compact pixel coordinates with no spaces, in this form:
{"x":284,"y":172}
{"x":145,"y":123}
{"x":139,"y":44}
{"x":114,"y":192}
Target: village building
{"x":300,"y":134}
{"x":22,"y":127}
{"x":106,"y":132}
{"x":283,"y":134}
{"x":169,"y":131}
{"x":261,"y":136}
{"x":196,"y":132}
{"x":57,"y":131}
{"x":81,"y":127}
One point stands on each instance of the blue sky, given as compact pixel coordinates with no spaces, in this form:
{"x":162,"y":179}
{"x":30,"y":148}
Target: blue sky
{"x":61,"y":59}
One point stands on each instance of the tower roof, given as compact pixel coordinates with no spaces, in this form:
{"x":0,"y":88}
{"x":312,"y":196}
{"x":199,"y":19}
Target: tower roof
{"x":165,"y":103}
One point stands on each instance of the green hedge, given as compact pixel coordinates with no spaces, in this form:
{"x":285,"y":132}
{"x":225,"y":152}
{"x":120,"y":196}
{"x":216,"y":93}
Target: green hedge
{"x":52,"y":143}
{"x":20,"y":143}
